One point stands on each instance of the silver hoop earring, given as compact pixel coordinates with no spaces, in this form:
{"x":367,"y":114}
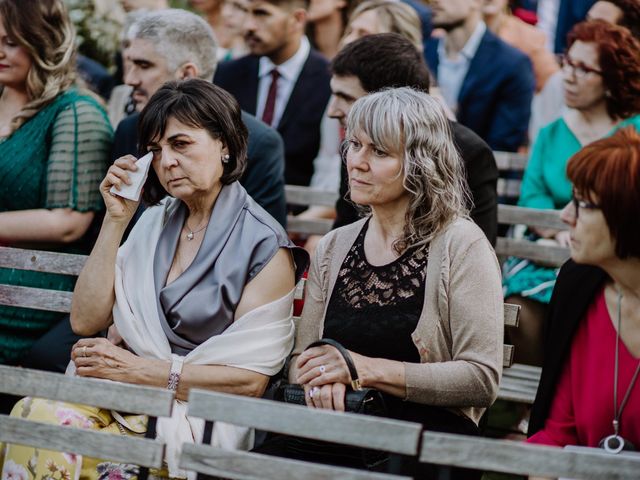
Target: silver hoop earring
{"x":225,"y":158}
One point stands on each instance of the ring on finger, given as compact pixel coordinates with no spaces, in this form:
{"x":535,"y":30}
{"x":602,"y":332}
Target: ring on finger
{"x":84,"y":351}
{"x":313,"y":391}
{"x":322,"y":369}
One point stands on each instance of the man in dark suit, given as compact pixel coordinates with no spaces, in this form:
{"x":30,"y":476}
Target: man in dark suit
{"x":488,"y":84}
{"x":175,"y":44}
{"x":283,"y":81}
{"x":389,"y":60}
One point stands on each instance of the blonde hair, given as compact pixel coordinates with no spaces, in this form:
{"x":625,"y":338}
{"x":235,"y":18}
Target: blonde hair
{"x":43,"y":28}
{"x":395,"y":17}
{"x":413,"y":124}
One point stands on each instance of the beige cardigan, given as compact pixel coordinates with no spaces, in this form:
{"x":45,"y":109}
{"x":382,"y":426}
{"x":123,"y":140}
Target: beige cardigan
{"x":460,"y":332}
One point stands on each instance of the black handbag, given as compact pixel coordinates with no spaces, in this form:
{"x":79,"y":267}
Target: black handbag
{"x":367,"y":401}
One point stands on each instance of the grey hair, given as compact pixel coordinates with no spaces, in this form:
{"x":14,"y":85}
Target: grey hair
{"x":180,"y":36}
{"x":414,"y":125}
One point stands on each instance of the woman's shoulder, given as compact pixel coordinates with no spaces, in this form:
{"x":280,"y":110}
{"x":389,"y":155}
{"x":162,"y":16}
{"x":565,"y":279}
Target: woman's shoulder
{"x":461,"y":233}
{"x":82,"y":108}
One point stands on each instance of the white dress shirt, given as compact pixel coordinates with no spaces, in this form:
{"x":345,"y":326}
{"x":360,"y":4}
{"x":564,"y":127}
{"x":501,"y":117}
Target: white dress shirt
{"x":452,"y":71}
{"x":548,"y":20}
{"x":289,"y":72}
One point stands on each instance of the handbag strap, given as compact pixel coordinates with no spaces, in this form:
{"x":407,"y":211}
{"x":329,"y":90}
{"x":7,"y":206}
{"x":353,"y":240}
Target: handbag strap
{"x":355,"y":381}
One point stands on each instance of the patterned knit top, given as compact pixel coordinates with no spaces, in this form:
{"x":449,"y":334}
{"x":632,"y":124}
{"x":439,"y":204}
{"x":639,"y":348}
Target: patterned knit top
{"x":56,"y":159}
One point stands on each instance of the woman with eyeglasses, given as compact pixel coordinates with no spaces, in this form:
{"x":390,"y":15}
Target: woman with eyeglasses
{"x":589,"y":392}
{"x":601,"y":71}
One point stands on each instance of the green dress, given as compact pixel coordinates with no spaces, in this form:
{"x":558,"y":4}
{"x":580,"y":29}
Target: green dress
{"x":545,"y":185}
{"x":56,"y":159}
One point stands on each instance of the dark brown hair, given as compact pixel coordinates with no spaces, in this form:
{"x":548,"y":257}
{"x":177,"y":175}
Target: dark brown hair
{"x":609,"y":169}
{"x":619,"y":62}
{"x":198,"y":104}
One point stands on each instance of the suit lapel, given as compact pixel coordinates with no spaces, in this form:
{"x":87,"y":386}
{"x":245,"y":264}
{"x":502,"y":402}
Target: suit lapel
{"x":247,"y":90}
{"x":478,"y":72}
{"x":300,"y":90}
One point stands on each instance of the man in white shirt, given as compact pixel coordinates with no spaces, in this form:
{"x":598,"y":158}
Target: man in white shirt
{"x":487,"y":83}
{"x":284,"y":82}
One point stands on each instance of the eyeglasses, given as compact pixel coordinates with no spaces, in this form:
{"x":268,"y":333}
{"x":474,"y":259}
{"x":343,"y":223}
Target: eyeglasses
{"x":580,"y":70}
{"x":582,"y":204}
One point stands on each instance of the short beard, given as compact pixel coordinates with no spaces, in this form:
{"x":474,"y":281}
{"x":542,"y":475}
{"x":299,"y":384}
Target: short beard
{"x":447,"y":27}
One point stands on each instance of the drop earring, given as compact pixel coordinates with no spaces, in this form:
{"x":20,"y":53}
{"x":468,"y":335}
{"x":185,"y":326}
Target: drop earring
{"x":225,"y":158}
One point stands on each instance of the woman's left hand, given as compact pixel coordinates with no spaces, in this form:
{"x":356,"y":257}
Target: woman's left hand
{"x":99,"y":358}
{"x":324,"y":365}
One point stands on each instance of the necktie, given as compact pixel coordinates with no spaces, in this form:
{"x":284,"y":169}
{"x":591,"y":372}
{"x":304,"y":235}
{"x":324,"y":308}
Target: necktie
{"x":270,"y":105}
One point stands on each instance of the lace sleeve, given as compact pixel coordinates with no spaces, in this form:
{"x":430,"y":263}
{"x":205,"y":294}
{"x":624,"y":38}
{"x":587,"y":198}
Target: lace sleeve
{"x":79,"y":157}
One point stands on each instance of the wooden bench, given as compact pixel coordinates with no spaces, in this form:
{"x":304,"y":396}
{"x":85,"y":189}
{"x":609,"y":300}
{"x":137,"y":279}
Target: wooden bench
{"x":146,"y":452}
{"x":396,"y":437}
{"x":519,"y":458}
{"x":507,"y":215}
{"x":511,"y":168}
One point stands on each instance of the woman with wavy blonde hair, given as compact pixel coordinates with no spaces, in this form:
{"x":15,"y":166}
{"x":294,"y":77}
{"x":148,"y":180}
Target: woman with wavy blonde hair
{"x":384,"y":16}
{"x":400,"y":289}
{"x":54,"y":150}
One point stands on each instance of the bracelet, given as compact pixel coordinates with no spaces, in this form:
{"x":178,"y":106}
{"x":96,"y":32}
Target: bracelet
{"x":175,"y":372}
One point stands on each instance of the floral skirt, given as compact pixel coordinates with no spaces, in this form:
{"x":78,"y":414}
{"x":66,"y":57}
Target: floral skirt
{"x":20,"y":462}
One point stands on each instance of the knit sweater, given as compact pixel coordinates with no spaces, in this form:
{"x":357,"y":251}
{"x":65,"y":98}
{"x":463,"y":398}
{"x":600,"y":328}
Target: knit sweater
{"x":460,"y":331}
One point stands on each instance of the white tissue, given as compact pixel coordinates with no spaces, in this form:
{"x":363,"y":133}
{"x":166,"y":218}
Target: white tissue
{"x":132,"y":192}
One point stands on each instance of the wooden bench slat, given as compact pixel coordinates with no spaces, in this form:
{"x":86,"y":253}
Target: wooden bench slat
{"x":511,"y":315}
{"x":350,"y":429}
{"x":308,"y":227}
{"x":516,"y":396}
{"x":100,"y":393}
{"x":507,"y":355}
{"x":511,"y":160}
{"x":512,"y":215}
{"x":35,"y":298}
{"x":524,"y":459}
{"x":40,"y":261}
{"x":254,"y":466}
{"x":298,"y":195}
{"x":548,"y":254}
{"x":91,"y":443}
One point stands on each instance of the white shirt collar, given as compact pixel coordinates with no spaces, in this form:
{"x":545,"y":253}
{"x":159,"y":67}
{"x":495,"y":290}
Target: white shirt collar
{"x":470,"y":48}
{"x":292,"y":67}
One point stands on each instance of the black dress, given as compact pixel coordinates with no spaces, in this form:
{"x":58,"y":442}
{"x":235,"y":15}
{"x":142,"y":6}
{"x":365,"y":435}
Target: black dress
{"x":373,"y":310}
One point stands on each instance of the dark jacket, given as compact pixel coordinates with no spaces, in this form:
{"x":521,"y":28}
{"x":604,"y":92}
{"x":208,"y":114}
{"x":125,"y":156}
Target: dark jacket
{"x":575,"y":290}
{"x":263,"y":178}
{"x":300,"y":122}
{"x":482,"y":177}
{"x":495,"y":96}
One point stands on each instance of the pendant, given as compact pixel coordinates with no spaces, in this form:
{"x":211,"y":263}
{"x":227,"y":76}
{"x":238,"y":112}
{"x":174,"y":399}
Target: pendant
{"x":190,"y":236}
{"x":613,"y":443}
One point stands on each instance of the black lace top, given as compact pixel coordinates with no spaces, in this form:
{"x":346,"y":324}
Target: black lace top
{"x":374,"y":309}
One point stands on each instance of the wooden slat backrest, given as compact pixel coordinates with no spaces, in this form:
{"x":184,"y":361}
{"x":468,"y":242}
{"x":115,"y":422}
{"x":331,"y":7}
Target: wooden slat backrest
{"x":253,"y":466}
{"x":154,"y":402}
{"x":524,"y":459}
{"x":100,"y":393}
{"x":519,"y":383}
{"x":551,"y":255}
{"x":92,"y":443}
{"x":36,"y":298}
{"x":349,"y":429}
{"x":40,"y":261}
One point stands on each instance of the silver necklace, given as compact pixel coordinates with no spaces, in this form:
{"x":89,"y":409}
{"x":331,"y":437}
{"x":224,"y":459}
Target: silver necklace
{"x":615,"y":443}
{"x":191,"y":233}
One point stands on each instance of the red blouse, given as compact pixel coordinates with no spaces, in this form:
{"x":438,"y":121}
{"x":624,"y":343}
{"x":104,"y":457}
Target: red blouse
{"x":582,"y":409}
